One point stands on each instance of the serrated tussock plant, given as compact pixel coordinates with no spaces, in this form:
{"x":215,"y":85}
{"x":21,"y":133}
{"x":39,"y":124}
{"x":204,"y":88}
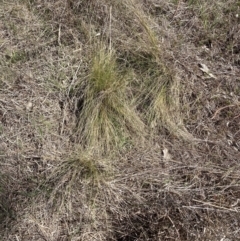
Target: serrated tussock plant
{"x":108,"y":118}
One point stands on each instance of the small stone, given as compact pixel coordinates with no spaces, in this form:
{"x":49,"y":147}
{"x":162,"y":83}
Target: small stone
{"x":29,"y":106}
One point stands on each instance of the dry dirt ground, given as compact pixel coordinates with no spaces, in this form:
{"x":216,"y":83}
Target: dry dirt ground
{"x":83,"y":157}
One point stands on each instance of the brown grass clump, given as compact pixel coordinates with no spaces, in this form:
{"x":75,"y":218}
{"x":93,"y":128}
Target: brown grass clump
{"x":119,"y":120}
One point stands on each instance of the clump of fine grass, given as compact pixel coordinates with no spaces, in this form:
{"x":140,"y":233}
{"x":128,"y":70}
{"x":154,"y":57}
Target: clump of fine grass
{"x":108,"y":118}
{"x":160,"y":88}
{"x":82,"y":168}
{"x":164,"y":112}
{"x":77,"y":189}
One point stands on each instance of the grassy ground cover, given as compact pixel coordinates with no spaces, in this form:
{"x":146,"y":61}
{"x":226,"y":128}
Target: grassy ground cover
{"x":119,"y":120}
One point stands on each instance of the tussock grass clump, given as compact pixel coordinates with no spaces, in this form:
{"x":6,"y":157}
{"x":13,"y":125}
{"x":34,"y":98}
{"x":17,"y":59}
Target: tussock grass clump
{"x":158,"y":88}
{"x":77,"y":191}
{"x":108,"y":118}
{"x":165,"y":109}
{"x":83,"y":168}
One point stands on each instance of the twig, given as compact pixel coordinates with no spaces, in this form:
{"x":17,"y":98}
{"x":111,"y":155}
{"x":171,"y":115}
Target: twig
{"x":174,"y":226}
{"x":176,"y":9}
{"x":74,"y":78}
{"x":220,"y":109}
{"x":215,"y":206}
{"x":59,"y":35}
{"x":110,"y":28}
{"x":236,"y":116}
